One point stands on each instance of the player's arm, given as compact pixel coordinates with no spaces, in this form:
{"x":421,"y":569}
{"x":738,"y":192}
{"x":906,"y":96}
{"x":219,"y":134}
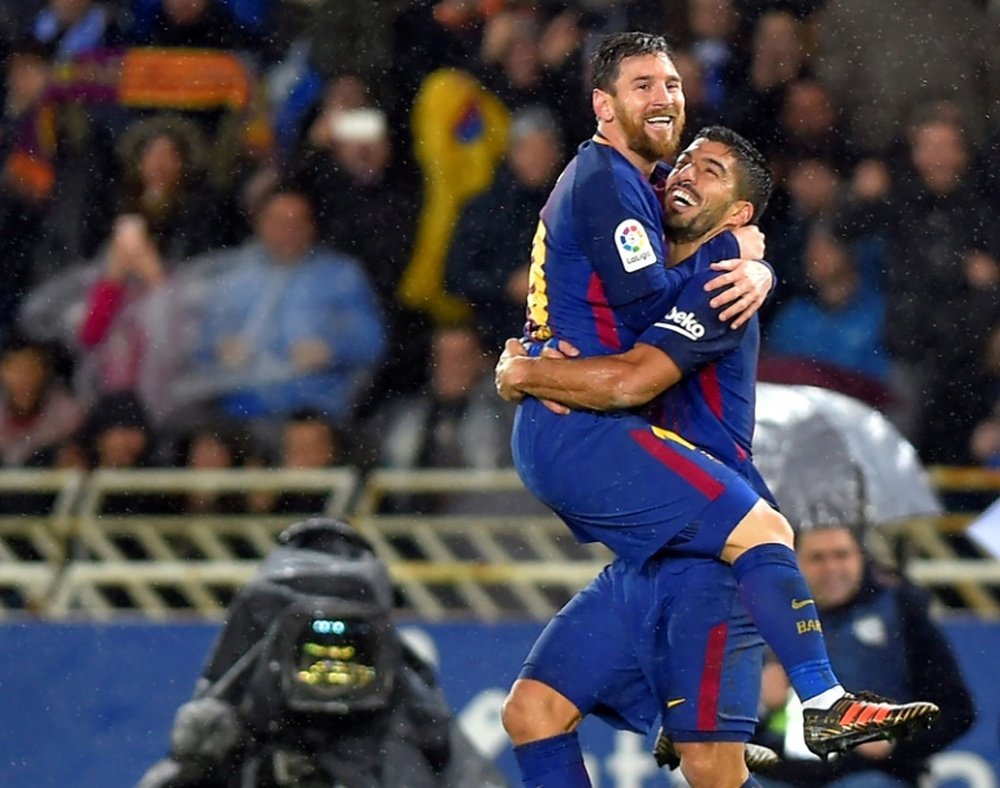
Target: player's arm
{"x":688,"y":336}
{"x":617,"y":382}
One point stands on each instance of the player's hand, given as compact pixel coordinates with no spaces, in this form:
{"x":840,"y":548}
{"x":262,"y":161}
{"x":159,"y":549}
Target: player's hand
{"x":751,"y":240}
{"x":746,"y":283}
{"x":505,"y":373}
{"x":562,"y":349}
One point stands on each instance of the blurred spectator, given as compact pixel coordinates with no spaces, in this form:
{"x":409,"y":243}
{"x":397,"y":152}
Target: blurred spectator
{"x":117,"y":433}
{"x":75,"y":27}
{"x":714,"y":25}
{"x":512,"y":66}
{"x":352,"y":36}
{"x":197,"y":24}
{"x":778,"y":59}
{"x":985,"y":442}
{"x":810,"y":126}
{"x":213,"y":445}
{"x":36,"y":411}
{"x":292,"y":324}
{"x":458,"y":422}
{"x":879,"y":58}
{"x":697,"y":112}
{"x":24,"y":186}
{"x":165,"y":220}
{"x":943,"y":289}
{"x":879,"y":633}
{"x":489,"y":256}
{"x":427,"y":35}
{"x":308,"y":441}
{"x":813,"y":193}
{"x":367,"y":207}
{"x":561,"y":48}
{"x":839,"y":328}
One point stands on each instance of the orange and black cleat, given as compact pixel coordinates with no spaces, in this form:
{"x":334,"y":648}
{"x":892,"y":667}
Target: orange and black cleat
{"x":860,"y":717}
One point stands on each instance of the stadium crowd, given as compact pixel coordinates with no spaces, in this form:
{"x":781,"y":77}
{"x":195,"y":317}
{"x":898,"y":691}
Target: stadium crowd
{"x":281,"y":232}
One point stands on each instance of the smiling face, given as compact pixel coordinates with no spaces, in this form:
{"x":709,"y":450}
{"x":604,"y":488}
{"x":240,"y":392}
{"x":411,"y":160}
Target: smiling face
{"x":701,"y":192}
{"x":644,"y":112}
{"x":832,"y":563}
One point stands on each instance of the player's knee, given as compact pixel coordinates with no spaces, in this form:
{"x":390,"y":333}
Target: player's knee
{"x":778,"y":529}
{"x":533,"y":711}
{"x":763,"y":525}
{"x":712,"y":764}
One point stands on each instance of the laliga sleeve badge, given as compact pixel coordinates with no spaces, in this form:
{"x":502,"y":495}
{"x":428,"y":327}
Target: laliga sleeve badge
{"x":633,"y":245}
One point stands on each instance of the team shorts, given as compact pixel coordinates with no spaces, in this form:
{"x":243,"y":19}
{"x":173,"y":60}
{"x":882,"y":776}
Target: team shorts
{"x":637,"y":489}
{"x":667,"y":642}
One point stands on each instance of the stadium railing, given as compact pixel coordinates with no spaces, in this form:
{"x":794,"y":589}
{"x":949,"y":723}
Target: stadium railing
{"x":457,"y":542}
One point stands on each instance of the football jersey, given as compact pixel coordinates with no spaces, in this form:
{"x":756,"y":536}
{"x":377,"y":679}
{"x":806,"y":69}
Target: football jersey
{"x":713,"y":405}
{"x":597,"y":276}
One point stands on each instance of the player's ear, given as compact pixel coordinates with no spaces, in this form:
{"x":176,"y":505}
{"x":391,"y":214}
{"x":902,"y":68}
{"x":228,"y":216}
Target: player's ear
{"x":601,"y":102}
{"x":741,"y":212}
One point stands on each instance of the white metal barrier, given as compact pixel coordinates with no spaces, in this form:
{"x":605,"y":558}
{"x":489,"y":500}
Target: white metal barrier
{"x":483,"y":549}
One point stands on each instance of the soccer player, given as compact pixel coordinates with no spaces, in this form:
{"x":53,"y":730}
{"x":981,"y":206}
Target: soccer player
{"x":611,"y":477}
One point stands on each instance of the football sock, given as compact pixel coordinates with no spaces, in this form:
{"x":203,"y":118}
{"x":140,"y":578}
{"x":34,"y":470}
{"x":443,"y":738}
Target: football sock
{"x":781,"y":605}
{"x":556,"y":762}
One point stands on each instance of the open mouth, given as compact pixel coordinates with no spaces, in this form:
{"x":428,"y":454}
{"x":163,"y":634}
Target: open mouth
{"x":661,"y":122}
{"x":680,"y":198}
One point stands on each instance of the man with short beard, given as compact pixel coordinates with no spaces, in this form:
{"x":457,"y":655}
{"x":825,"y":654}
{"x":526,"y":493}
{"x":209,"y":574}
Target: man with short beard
{"x":659,"y":502}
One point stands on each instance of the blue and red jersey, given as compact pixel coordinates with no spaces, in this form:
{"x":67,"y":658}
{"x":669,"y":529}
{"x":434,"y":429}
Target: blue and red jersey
{"x":599,"y":280}
{"x":597,"y":276}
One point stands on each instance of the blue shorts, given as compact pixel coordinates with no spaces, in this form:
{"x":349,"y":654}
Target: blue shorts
{"x":614,"y":479}
{"x":670,"y":641}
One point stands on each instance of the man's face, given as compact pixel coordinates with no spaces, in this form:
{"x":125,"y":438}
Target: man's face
{"x":285,"y":227}
{"x":939,"y":155}
{"x":161,"y":165}
{"x":121,"y":447}
{"x":457,"y":363}
{"x":185,"y":12}
{"x":648,"y":105}
{"x":535,"y":159}
{"x":700,"y":190}
{"x":308,"y":444}
{"x":832,"y":563}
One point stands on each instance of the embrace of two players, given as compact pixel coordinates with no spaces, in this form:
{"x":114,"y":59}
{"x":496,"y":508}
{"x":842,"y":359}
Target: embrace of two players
{"x":635,"y":391}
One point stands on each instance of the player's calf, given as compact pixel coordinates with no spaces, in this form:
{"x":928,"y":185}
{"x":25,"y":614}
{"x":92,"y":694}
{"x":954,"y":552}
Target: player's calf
{"x":757,"y":757}
{"x":713,"y":764}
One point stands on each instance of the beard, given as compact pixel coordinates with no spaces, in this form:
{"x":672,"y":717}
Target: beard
{"x":681,"y":229}
{"x":641,"y":142}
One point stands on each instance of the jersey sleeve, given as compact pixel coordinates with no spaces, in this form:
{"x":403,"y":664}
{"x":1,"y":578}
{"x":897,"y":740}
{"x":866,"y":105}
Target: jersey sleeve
{"x":690,"y":332}
{"x":621,"y":234}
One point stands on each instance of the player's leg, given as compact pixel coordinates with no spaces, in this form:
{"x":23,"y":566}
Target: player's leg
{"x":713,"y":764}
{"x":760,"y":549}
{"x":581,"y":663}
{"x":541,"y":723}
{"x":707,"y":670}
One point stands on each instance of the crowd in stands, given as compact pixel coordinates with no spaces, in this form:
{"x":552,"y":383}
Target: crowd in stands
{"x":289,"y":233}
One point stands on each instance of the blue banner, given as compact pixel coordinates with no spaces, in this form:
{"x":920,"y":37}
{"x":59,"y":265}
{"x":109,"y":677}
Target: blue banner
{"x":92,"y":705}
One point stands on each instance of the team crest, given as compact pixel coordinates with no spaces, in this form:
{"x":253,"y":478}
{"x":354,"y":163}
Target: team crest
{"x":633,"y":245}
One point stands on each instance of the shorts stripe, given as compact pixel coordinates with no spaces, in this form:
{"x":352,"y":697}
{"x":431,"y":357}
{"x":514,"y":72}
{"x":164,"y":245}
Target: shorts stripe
{"x":708,"y":691}
{"x":689,"y":471}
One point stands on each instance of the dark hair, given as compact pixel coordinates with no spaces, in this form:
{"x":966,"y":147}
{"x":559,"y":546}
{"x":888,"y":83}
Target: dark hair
{"x":614,"y":49}
{"x":753,"y":178}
